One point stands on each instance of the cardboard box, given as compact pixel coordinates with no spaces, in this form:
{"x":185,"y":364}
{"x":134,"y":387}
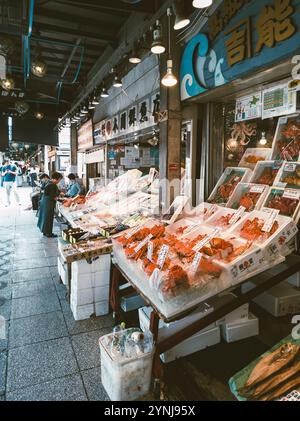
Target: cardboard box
{"x":281,"y":300}
{"x":201,"y":340}
{"x":237,"y":316}
{"x":232,"y":332}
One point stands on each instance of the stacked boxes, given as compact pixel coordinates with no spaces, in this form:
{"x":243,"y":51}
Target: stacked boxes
{"x":90,"y":287}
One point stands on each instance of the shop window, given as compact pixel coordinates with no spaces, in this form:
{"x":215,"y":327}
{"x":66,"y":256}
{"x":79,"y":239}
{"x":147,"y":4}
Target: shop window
{"x":243,"y":135}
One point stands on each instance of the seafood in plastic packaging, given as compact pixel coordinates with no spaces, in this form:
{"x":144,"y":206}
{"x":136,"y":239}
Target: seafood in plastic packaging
{"x":254,"y":155}
{"x":286,"y":145}
{"x":266,"y":172}
{"x":250,"y":196}
{"x":289,"y":176}
{"x":227,"y":184}
{"x":287,"y":201}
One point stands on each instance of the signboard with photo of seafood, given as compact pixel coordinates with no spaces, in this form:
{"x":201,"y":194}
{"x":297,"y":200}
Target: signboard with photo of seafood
{"x":248,"y":108}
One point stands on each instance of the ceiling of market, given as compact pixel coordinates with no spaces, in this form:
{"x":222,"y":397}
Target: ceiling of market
{"x":71,"y":36}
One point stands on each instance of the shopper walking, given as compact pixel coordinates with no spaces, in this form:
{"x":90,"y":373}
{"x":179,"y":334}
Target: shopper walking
{"x":47,"y":205}
{"x":19,"y":179}
{"x":9,"y":174}
{"x":33,"y":175}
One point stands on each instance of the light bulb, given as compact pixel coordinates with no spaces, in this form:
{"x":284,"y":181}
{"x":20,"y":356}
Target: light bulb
{"x":7,"y":84}
{"x":91,"y":106}
{"x":157,"y":45}
{"x":95,"y":100}
{"x":104,"y":93}
{"x":38,"y":115}
{"x":181,"y":20}
{"x":134,"y":59}
{"x":169,"y":80}
{"x":263,"y":141}
{"x":202,"y":4}
{"x":117,"y":82}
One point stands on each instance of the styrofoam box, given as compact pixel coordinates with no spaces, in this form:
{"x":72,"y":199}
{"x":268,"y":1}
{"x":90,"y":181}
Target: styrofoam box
{"x":232,"y":332}
{"x":100,"y":264}
{"x":90,"y":295}
{"x":82,"y":312}
{"x":281,"y":300}
{"x":62,"y":271}
{"x":201,"y":340}
{"x":294,"y":280}
{"x":237,"y":316}
{"x":86,"y":311}
{"x":91,"y":280}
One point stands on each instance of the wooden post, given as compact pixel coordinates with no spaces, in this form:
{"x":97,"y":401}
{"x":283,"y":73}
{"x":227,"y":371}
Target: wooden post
{"x":170,"y":124}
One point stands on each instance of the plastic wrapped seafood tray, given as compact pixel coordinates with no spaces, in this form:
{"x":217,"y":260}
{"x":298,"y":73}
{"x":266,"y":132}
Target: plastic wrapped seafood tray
{"x":286,"y":144}
{"x":287,"y":201}
{"x":225,"y":218}
{"x":254,"y":155}
{"x":227,"y":184}
{"x":266,"y":172}
{"x":266,"y":229}
{"x":198,"y":266}
{"x":202,"y":212}
{"x":289,"y":176}
{"x":250,"y":196}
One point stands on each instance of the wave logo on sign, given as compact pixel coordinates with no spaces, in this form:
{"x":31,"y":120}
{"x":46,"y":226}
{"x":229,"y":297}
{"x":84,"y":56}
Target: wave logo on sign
{"x":296,"y":329}
{"x":2,"y":328}
{"x":199,"y":60}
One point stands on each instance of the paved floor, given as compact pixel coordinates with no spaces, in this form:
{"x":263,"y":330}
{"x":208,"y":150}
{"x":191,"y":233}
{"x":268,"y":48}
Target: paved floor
{"x":45,"y":354}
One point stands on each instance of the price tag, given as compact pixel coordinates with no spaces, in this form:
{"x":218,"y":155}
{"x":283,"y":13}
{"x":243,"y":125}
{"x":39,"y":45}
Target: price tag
{"x":239,"y":213}
{"x":273,"y":213}
{"x":283,"y":120}
{"x":132,"y":232}
{"x":206,"y":240}
{"x":212,"y":210}
{"x":143,"y":243}
{"x":290,"y":167}
{"x":291,"y":194}
{"x":258,"y":188}
{"x":277,"y":165}
{"x":162,"y":256}
{"x":150,"y":251}
{"x":196,"y":261}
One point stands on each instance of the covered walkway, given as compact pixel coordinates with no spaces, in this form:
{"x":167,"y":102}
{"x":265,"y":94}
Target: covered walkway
{"x":45,"y":355}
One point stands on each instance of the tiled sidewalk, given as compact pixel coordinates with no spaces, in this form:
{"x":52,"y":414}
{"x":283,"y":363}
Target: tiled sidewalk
{"x":46,"y":354}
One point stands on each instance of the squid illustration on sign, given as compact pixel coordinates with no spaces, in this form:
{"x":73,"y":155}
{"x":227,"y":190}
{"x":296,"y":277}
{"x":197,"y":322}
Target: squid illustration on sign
{"x":199,"y":60}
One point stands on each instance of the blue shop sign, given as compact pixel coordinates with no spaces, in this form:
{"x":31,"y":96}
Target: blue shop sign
{"x":241,"y":37}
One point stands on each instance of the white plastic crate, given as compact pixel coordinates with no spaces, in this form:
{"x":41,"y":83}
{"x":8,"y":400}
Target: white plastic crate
{"x":127,"y":379}
{"x":237,"y":331}
{"x":207,"y":337}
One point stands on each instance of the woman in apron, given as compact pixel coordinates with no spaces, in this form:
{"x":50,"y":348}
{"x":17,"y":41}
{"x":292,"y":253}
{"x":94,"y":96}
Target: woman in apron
{"x":47,"y":206}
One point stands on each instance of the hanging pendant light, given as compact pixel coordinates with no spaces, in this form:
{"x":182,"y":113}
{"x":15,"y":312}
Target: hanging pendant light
{"x":202,"y":4}
{"x":117,"y":82}
{"x":8,"y":83}
{"x":39,"y":67}
{"x":157,"y":45}
{"x":95,"y":100}
{"x":263,"y":141}
{"x":104,"y":93}
{"x":181,"y":20}
{"x":169,"y":80}
{"x":134,"y":57}
{"x":91,"y":106}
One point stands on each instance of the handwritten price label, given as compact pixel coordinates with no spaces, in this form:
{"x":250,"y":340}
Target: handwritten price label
{"x":143,"y":243}
{"x":291,"y":194}
{"x":132,"y":232}
{"x":162,"y":256}
{"x":150,"y":251}
{"x":257,"y":189}
{"x":236,"y":217}
{"x":290,"y":167}
{"x":196,"y":261}
{"x":273,"y":213}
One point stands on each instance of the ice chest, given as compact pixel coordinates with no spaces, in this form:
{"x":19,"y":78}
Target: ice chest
{"x":127,"y":379}
{"x":201,"y":340}
{"x":236,"y":331}
{"x":281,"y":300}
{"x":62,"y":269}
